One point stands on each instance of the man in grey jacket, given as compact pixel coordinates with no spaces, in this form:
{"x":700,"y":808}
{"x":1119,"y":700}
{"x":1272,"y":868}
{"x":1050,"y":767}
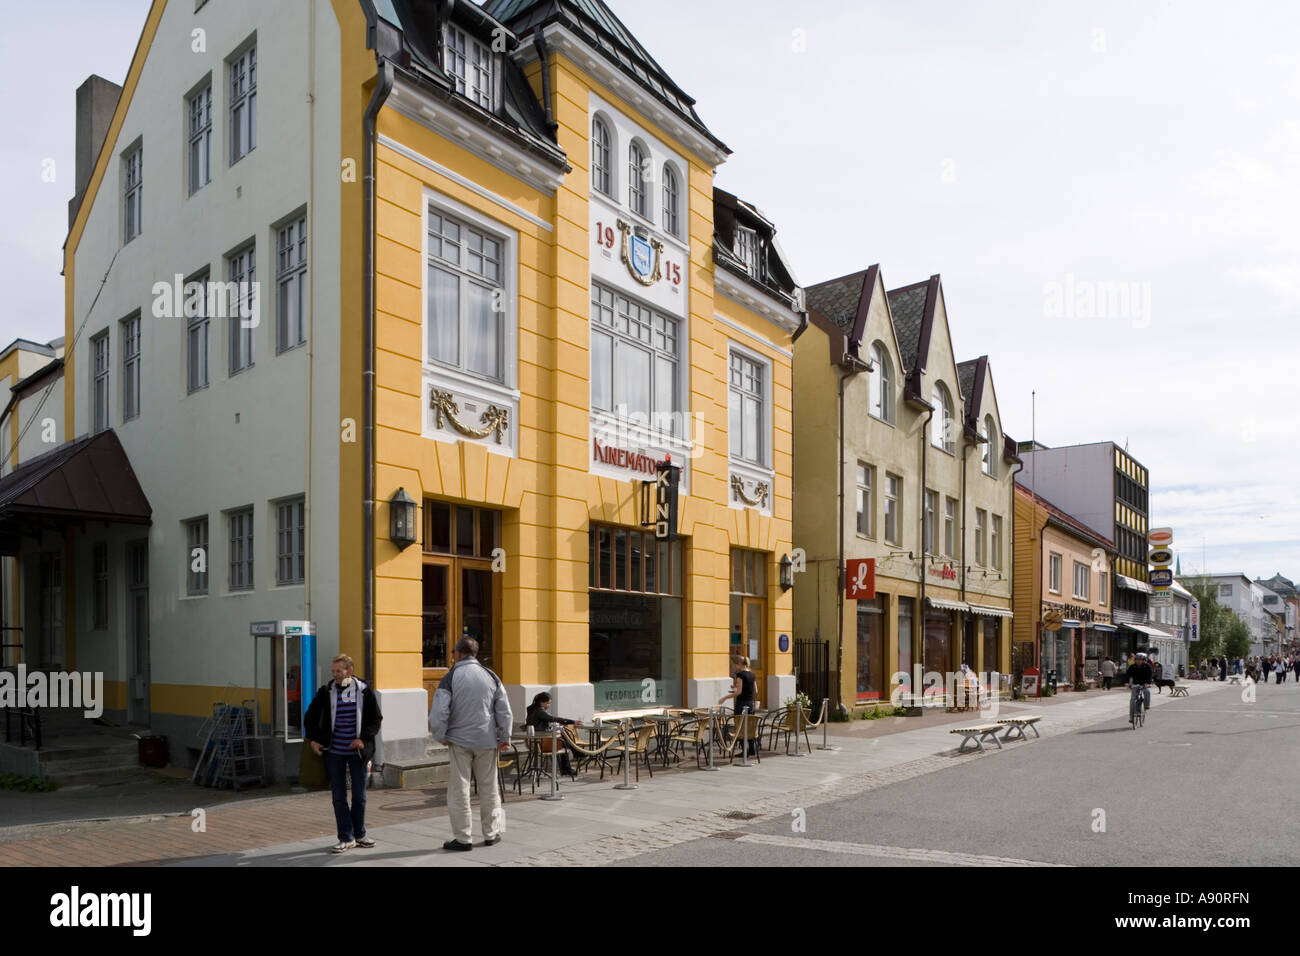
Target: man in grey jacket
{"x":471,"y":716}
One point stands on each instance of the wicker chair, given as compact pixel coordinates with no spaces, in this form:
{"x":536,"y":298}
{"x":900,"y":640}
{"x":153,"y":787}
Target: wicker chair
{"x":637,"y":745}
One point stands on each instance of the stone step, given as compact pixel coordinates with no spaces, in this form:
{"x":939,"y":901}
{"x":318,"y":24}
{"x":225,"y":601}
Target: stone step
{"x":59,"y":767}
{"x":102,"y":777}
{"x":432,"y":770}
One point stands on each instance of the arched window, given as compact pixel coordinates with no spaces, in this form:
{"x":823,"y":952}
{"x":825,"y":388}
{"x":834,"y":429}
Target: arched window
{"x":881,"y":384}
{"x":941,"y":423}
{"x":601,"y":141}
{"x":990,"y":462}
{"x":672,"y":194}
{"x":638,"y":196}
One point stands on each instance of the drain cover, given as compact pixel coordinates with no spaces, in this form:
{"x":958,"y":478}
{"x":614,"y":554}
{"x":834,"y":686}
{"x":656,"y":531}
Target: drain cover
{"x":739,"y":815}
{"x":728,"y":835}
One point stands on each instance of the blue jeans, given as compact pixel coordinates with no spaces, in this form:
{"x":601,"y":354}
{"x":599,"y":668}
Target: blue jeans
{"x":351,"y":824}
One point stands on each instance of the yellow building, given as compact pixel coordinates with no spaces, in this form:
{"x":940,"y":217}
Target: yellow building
{"x":562,"y":301}
{"x":901,"y":462}
{"x":1063,"y":614}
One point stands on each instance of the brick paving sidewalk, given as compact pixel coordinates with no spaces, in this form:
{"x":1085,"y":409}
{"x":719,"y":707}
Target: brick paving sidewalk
{"x":155,"y":841}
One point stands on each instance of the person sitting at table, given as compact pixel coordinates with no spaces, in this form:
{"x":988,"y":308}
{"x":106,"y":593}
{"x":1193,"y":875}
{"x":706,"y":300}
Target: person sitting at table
{"x":540,"y":719}
{"x":743,"y":690}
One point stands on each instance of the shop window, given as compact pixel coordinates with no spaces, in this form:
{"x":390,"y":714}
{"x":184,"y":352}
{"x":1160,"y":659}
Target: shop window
{"x":991,"y":659}
{"x":871,"y":650}
{"x":635,"y":619}
{"x":905,"y":614}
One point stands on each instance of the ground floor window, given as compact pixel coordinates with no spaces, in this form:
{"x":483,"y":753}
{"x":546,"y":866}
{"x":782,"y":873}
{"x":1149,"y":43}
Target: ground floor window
{"x":635,"y":619}
{"x":1094,"y":652}
{"x":871,"y":649}
{"x":905,"y":605}
{"x":991,"y":661}
{"x":938,"y":638}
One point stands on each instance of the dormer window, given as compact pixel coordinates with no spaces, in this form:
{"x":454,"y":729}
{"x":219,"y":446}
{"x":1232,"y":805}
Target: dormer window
{"x":746,"y":249}
{"x":469,"y":64}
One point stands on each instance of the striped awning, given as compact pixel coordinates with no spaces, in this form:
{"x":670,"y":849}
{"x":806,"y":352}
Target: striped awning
{"x":991,"y":611}
{"x":1104,"y":627}
{"x":1149,"y":631}
{"x":1133,"y":584}
{"x":946,"y":605}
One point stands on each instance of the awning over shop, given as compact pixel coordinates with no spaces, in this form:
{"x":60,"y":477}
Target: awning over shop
{"x":1104,"y":627}
{"x":1069,"y":622}
{"x":1133,"y":584}
{"x":990,"y":611}
{"x":1148,"y":631}
{"x":89,"y":479}
{"x":946,"y":605}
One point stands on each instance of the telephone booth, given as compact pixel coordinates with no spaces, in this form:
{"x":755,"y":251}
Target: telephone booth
{"x":284,"y":676}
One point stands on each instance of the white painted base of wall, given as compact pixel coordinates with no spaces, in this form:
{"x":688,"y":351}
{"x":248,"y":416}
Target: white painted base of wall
{"x":571,"y":701}
{"x":705,"y":693}
{"x":780,"y":688}
{"x":404,"y":734}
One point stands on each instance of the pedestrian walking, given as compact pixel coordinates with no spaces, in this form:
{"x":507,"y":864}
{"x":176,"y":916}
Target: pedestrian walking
{"x":471,"y":717}
{"x":1295,"y":666}
{"x":1107,"y":673}
{"x":1279,"y":671}
{"x":1223,"y":668}
{"x":341,"y":723}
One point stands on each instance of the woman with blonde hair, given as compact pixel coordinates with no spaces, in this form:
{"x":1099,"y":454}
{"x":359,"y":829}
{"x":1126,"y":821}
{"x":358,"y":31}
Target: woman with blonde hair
{"x":743,"y":690}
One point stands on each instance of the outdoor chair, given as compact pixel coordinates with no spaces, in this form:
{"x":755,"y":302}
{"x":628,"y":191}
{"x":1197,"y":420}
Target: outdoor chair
{"x":787,"y":721}
{"x":695,"y":733}
{"x":636,"y":746}
{"x":740,"y":729}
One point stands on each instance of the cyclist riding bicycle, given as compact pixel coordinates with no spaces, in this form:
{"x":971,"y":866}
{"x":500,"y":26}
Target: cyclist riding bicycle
{"x":1141,"y":675}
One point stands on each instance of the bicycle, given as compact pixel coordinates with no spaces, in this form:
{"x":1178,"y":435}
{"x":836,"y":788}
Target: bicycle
{"x":1137,"y":706}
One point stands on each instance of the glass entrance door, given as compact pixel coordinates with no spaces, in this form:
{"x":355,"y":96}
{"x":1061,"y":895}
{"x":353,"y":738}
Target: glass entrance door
{"x":477,"y":614}
{"x":752,"y":640}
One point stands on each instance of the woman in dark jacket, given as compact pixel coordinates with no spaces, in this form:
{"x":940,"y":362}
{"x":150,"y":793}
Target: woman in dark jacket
{"x":540,"y":719}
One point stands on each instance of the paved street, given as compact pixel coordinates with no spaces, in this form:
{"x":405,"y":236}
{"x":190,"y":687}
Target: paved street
{"x":1174,"y":793}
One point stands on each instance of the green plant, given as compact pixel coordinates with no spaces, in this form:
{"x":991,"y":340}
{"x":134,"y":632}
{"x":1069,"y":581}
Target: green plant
{"x":802,"y":700}
{"x":13,"y":781}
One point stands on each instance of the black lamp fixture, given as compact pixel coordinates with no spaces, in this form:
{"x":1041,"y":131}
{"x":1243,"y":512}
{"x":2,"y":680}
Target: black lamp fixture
{"x":401,"y":520}
{"x":787,"y":573}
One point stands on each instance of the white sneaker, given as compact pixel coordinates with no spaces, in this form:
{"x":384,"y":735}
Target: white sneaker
{"x":344,"y":847}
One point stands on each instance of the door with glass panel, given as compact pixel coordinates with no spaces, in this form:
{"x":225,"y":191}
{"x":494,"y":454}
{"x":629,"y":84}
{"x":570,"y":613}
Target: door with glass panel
{"x":460,"y":594}
{"x":749,"y":614}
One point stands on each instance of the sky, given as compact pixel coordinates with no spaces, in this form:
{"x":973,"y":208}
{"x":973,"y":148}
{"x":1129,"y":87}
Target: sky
{"x":1109,"y":191}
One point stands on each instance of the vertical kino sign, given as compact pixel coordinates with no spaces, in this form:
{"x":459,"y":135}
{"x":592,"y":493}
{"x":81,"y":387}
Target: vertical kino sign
{"x":659,"y":501}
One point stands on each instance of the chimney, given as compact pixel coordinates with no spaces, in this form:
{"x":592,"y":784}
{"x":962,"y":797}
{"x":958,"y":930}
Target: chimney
{"x":96,"y":101}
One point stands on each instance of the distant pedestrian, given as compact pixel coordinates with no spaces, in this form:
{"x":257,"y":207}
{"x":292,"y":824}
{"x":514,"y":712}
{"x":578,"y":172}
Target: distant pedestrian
{"x":1279,"y":671}
{"x":1107,"y":673}
{"x":342,"y":723}
{"x":1295,"y":666}
{"x":1223,"y":668}
{"x":471,"y":716}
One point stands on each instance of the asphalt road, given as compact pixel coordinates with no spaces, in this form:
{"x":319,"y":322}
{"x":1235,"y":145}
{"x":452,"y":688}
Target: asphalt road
{"x":1209,"y":781}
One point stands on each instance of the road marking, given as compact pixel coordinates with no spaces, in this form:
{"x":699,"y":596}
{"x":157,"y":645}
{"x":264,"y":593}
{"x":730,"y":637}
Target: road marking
{"x":937,"y":857}
{"x":1239,"y":713}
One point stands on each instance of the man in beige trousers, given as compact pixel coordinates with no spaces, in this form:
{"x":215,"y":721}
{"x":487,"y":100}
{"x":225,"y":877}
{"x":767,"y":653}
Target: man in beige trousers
{"x":471,"y":716}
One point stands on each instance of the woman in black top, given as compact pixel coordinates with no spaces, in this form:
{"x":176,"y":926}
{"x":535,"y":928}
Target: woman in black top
{"x":743,"y":690}
{"x":539,"y":718}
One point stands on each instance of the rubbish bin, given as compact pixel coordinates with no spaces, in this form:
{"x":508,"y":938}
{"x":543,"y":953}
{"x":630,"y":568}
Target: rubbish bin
{"x":153,"y":751}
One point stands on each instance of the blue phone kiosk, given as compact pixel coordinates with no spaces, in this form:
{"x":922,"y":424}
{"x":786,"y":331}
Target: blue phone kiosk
{"x":284,"y":664}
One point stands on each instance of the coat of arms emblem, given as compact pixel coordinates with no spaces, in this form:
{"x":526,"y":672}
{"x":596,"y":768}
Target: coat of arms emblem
{"x":643,"y":257}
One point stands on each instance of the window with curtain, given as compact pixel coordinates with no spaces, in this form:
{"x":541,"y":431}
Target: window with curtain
{"x":634,"y":356}
{"x":941,"y":422}
{"x":745,"y":407}
{"x":672,"y":196}
{"x":465,"y":289}
{"x":866,"y":499}
{"x":881,"y":385}
{"x":638,"y":193}
{"x":601,"y":147}
{"x":989,"y":461}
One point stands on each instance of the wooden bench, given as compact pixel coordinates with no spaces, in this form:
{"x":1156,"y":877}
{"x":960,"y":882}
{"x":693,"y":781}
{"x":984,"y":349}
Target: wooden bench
{"x":1016,"y":727}
{"x":1180,"y":690}
{"x":978,"y":733}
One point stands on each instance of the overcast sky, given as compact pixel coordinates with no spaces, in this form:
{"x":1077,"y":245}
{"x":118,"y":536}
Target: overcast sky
{"x":1109,"y":190}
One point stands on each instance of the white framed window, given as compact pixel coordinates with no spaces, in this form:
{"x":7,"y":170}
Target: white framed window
{"x":291,"y":285}
{"x":196,"y":332}
{"x":290,"y":541}
{"x":241,"y":549}
{"x":243,"y":105}
{"x":133,"y":194}
{"x":1103,"y":587}
{"x":927,"y":527}
{"x":893,"y":508}
{"x":866,"y":500}
{"x":981,"y":524}
{"x":196,"y":556}
{"x":1082,"y":581}
{"x":1225,"y":590}
{"x":1054,"y":573}
{"x":989,"y":459}
{"x":200,"y":139}
{"x":241,"y":270}
{"x":634,"y":359}
{"x":100,"y":601}
{"x":469,"y":64}
{"x":746,"y":248}
{"x":602,"y":145}
{"x":995,"y":542}
{"x":465,"y":296}
{"x":672,"y":200}
{"x":949,"y":526}
{"x":99,"y":351}
{"x":880,"y":385}
{"x":941,"y":422}
{"x":638,"y":180}
{"x":131,"y":368}
{"x":746,"y":406}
